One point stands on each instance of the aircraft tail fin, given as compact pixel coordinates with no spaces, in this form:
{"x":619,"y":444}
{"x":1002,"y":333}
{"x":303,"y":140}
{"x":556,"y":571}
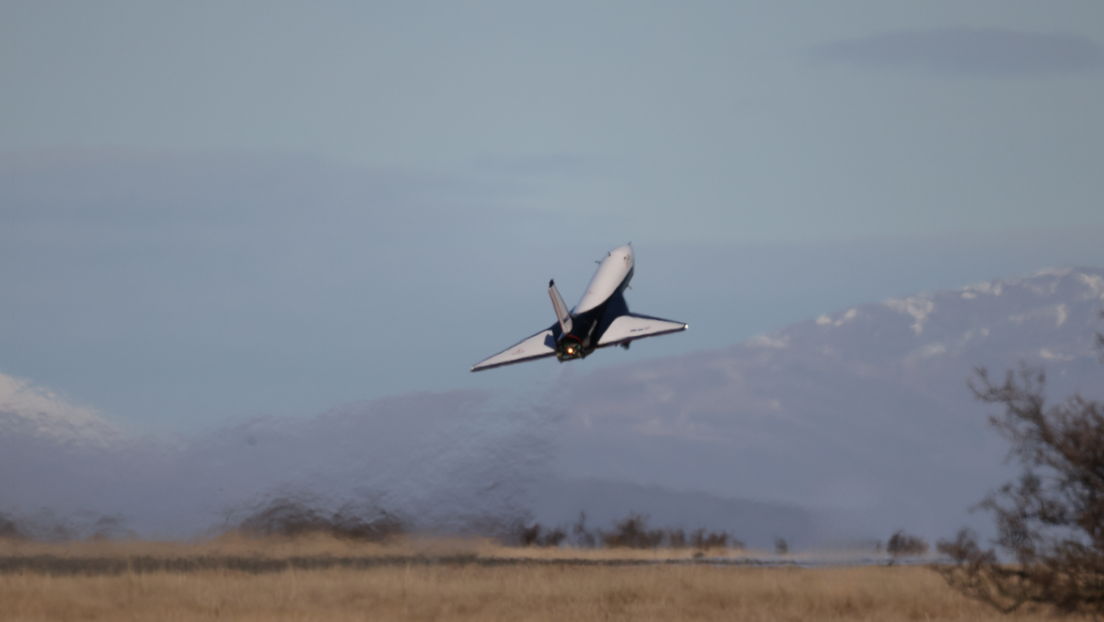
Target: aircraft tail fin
{"x":562,"y":314}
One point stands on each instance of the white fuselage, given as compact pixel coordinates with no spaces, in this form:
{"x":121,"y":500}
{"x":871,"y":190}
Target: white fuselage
{"x":611,"y":276}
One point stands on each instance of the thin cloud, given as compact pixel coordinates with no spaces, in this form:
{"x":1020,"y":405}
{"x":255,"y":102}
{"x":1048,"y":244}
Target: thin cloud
{"x":979,"y":52}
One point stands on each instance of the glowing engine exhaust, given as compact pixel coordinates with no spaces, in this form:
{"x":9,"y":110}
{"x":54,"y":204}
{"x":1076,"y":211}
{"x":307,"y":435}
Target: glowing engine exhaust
{"x":569,"y":347}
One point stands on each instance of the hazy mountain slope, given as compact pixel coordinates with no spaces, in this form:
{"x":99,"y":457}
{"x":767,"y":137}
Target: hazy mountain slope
{"x":864,"y":412}
{"x":436,"y":460}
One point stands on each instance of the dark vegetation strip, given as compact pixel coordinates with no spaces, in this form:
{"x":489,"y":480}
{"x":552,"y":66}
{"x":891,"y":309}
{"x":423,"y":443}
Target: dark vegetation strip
{"x":94,"y":566}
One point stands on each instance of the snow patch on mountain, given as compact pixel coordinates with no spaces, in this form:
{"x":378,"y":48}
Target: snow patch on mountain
{"x":993,"y":288}
{"x":917,"y":306}
{"x":41,"y":413}
{"x":1047,"y":355}
{"x":849,"y":315}
{"x":766,"y":341}
{"x":1094,"y":283}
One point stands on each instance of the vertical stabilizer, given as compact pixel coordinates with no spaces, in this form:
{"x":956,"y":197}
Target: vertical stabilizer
{"x":562,"y":314}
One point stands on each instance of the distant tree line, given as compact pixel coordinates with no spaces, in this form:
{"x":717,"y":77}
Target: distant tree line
{"x":632,"y":532}
{"x":47,"y":526}
{"x":291,"y":517}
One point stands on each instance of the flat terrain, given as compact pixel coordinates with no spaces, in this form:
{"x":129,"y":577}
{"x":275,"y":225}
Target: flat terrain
{"x":320,"y":579}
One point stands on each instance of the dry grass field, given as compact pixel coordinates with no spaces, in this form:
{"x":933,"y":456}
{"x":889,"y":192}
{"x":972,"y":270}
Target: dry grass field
{"x":323,"y":579}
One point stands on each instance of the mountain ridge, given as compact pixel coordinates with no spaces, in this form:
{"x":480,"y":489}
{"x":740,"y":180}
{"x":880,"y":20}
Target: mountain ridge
{"x":864,"y":410}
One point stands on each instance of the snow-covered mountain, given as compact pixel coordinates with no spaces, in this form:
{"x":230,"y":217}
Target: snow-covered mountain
{"x":864,"y":413}
{"x":28,"y":411}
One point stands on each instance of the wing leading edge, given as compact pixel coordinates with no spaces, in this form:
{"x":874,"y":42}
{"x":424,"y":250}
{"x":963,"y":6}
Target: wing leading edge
{"x":623,"y":329}
{"x":539,"y":346}
{"x":631,"y":326}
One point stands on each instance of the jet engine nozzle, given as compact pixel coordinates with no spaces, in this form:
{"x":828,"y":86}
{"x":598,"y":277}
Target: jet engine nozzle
{"x":569,"y":347}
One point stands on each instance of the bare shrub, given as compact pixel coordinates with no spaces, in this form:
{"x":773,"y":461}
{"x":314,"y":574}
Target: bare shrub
{"x":632,"y":532}
{"x":530,"y":535}
{"x":704,"y":540}
{"x":46,"y":526}
{"x":10,"y":528}
{"x":781,"y":547}
{"x":656,"y":537}
{"x":697,"y":538}
{"x":555,"y":537}
{"x":676,"y":538}
{"x":290,"y":517}
{"x":582,"y":536}
{"x":539,"y":535}
{"x":1050,"y":521}
{"x":903,"y":544}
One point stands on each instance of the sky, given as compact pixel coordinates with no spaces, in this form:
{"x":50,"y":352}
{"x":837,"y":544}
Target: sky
{"x":220,"y":210}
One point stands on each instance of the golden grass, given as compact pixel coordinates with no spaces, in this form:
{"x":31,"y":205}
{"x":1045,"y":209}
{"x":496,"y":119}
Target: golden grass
{"x":322,"y":545}
{"x":465,"y":590}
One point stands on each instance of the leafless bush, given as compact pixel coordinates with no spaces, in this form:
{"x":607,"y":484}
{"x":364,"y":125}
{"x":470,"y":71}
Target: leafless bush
{"x":902,"y":544}
{"x":539,"y":535}
{"x":46,"y":526}
{"x":290,"y":517}
{"x":633,"y":533}
{"x":583,"y":537}
{"x":676,"y":538}
{"x":656,"y":537}
{"x":1050,"y":521}
{"x":10,"y":528}
{"x":781,"y":547}
{"x":530,"y":535}
{"x":704,"y":540}
{"x":554,"y":537}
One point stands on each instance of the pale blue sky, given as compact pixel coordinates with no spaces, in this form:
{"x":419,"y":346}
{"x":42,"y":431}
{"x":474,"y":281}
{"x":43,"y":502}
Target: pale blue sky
{"x":218,"y":209}
{"x":723,"y":115}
